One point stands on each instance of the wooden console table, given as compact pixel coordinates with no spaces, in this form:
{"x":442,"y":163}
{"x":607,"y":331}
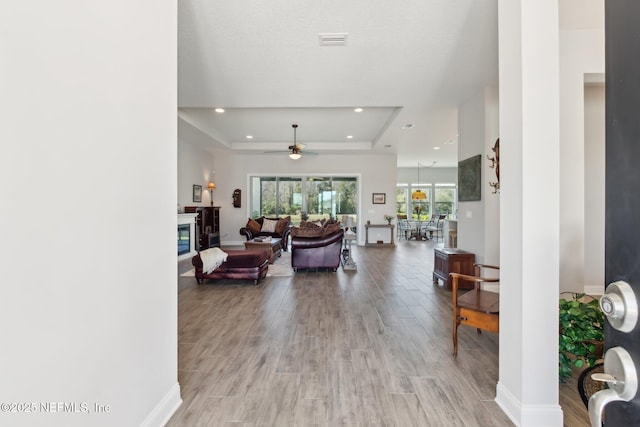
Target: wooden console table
{"x":368,"y":226}
{"x":452,"y":260}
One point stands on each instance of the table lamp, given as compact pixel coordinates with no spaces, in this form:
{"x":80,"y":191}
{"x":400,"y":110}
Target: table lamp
{"x":349,"y":224}
{"x":211,"y":186}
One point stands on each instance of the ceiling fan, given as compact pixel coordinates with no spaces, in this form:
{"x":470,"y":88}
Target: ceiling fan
{"x":295,"y":150}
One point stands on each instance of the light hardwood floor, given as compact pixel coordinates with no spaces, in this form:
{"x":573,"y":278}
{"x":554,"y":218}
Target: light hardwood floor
{"x":365,"y":348}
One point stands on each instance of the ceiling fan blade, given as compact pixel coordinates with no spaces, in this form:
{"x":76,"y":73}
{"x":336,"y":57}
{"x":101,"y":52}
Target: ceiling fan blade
{"x":295,"y":148}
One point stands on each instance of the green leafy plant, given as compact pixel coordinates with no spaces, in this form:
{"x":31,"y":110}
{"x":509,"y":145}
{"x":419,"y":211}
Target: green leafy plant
{"x":581,"y":333}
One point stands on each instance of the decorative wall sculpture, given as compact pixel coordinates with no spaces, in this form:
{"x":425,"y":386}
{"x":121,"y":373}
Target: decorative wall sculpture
{"x":495,"y":164}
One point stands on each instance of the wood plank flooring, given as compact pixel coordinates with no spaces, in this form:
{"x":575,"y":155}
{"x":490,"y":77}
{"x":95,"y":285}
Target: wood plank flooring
{"x":370,"y":347}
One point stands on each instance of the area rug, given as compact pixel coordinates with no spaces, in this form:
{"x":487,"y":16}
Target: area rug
{"x":280,"y":268}
{"x":190,"y":273}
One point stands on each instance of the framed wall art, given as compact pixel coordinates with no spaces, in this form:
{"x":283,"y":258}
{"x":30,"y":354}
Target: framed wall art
{"x":197,"y":193}
{"x":469,"y":188}
{"x":379,"y":198}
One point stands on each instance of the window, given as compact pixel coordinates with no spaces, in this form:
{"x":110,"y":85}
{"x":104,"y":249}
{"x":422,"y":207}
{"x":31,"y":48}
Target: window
{"x":401,"y":199}
{"x":315,"y":197}
{"x":439,"y":198}
{"x":421,"y":208}
{"x":445,"y":199}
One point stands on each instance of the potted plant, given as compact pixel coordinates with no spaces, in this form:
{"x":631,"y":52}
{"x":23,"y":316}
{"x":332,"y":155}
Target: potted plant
{"x":581,"y":334}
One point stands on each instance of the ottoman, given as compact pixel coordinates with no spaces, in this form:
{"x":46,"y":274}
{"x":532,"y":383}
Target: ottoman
{"x":240,"y":265}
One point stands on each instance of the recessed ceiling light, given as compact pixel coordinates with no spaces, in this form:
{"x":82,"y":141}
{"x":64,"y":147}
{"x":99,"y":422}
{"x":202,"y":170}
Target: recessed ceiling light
{"x":249,"y":136}
{"x":349,"y":136}
{"x":387,"y":146}
{"x":450,"y":142}
{"x":436,"y":148}
{"x":219,"y":110}
{"x":358,"y":110}
{"x":407,"y":126}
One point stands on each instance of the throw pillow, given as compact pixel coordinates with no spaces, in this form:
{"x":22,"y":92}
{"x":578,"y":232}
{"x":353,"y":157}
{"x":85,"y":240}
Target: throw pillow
{"x":308,"y":224}
{"x":253,"y":226}
{"x":331,"y":228}
{"x":307,"y":231}
{"x":282,"y":224}
{"x":269,"y":226}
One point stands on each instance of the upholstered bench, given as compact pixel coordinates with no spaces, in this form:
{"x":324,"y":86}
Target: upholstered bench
{"x":240,"y":265}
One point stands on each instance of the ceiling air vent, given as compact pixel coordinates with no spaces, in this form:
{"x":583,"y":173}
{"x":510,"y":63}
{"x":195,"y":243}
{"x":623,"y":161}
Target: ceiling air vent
{"x":332,"y":39}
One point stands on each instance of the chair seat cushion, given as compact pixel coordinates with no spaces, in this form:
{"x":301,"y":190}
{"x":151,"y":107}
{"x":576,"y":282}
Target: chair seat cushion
{"x":483,"y":301}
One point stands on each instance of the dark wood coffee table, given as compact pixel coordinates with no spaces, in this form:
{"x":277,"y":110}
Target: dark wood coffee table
{"x":274,"y":245}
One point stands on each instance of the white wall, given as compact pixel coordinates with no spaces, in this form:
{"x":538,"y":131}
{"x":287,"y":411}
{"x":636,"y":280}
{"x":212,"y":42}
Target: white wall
{"x":581,"y":52}
{"x":478,"y":221}
{"x":594,"y":188}
{"x":427,"y":175}
{"x":87,"y":211}
{"x":377,"y":174}
{"x":195,"y":167}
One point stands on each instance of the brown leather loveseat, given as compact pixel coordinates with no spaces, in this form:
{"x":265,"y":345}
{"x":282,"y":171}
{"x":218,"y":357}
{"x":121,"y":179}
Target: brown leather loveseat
{"x":316,"y":246}
{"x":272,"y":227}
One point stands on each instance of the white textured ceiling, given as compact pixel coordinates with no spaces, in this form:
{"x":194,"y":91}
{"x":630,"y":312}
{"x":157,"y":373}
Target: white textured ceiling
{"x":410,"y":61}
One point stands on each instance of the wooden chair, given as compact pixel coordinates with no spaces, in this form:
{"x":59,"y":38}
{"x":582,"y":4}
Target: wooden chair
{"x":477,"y":308}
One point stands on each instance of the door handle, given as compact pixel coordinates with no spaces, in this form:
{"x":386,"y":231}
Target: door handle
{"x":620,"y":375}
{"x":620,"y":306}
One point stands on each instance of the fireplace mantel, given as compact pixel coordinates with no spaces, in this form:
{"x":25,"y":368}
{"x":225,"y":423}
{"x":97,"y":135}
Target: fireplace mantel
{"x":189,"y":218}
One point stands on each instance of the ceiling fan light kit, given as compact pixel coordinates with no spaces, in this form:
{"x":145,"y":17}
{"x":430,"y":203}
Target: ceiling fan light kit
{"x":295,"y":150}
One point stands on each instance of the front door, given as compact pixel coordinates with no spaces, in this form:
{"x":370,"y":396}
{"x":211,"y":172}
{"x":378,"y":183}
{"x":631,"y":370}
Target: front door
{"x":622,"y":230}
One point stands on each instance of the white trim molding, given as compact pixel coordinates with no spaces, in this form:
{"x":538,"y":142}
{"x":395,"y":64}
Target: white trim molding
{"x":163,"y":411}
{"x":528,"y":415}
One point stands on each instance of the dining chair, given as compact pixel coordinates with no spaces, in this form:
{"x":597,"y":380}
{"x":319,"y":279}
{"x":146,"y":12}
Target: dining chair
{"x":436,"y":226}
{"x":403,"y":226}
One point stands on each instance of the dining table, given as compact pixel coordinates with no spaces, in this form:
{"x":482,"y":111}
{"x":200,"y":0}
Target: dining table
{"x":417,"y":230}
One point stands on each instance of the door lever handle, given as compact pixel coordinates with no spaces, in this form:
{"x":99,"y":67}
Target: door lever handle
{"x":610,"y":379}
{"x":620,"y":375}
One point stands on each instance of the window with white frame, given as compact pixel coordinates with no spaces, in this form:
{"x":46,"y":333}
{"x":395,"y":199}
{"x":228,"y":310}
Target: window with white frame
{"x":445,"y":199}
{"x":304,"y":197}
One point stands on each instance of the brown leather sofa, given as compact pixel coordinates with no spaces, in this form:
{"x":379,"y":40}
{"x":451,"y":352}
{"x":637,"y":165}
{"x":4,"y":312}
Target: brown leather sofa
{"x":240,"y":265}
{"x":282,"y":230}
{"x":317,"y":252}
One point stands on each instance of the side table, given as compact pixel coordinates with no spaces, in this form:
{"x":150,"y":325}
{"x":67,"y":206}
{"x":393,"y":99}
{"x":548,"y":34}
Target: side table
{"x":347,"y":262}
{"x":452,"y":260}
{"x":368,"y":226}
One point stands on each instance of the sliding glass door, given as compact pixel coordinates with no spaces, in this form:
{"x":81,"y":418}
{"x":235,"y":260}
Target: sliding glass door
{"x":304,"y":197}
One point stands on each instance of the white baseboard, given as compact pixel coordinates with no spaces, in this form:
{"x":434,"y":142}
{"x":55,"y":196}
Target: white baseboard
{"x":164,"y":409}
{"x":528,"y":415}
{"x":594,"y":290}
{"x":508,"y":403}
